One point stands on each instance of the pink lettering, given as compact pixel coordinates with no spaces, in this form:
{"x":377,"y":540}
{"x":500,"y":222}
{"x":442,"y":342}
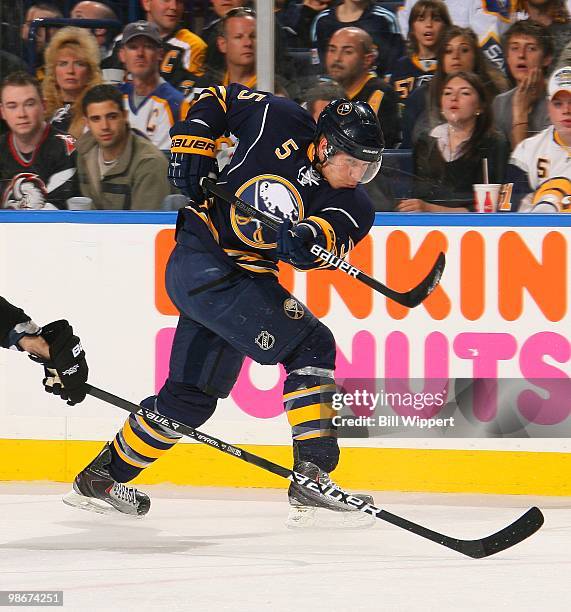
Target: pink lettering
{"x":485,"y":350}
{"x":556,"y":407}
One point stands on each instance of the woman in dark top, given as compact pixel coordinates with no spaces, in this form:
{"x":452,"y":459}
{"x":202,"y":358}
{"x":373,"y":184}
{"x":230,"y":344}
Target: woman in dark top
{"x":458,"y":51}
{"x":449,"y":159}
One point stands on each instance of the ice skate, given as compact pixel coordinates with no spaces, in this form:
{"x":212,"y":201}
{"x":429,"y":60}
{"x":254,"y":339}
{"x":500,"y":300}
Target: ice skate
{"x":311,"y":510}
{"x":94,"y":489}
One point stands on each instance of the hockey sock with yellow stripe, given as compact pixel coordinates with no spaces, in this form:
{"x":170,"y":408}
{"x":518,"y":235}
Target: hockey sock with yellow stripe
{"x":137,"y":445}
{"x":308,"y":405}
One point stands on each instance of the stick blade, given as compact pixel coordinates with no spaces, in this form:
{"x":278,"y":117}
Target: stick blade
{"x":525,"y":526}
{"x":417,"y":295}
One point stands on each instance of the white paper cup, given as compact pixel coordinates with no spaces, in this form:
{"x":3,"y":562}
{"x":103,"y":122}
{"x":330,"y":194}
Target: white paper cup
{"x":80,"y":203}
{"x":486,"y":197}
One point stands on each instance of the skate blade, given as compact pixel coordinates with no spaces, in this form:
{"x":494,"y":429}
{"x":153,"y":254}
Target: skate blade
{"x":301,"y":517}
{"x":310,"y":517}
{"x":92,"y":504}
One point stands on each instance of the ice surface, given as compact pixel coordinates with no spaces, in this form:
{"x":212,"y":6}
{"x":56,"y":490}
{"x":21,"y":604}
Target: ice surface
{"x":219,"y":549}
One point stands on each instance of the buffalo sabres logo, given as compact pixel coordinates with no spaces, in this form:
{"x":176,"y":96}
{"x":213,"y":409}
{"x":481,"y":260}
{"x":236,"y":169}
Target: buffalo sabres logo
{"x":26,"y":191}
{"x":273,"y":195}
{"x":345,"y":108}
{"x":293,"y":309}
{"x":265,"y":340}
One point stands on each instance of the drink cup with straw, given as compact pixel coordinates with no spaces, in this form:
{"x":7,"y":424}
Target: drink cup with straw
{"x":486,"y":194}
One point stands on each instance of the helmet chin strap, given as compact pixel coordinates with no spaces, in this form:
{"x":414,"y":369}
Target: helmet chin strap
{"x":328,"y":152}
{"x":316,"y":163}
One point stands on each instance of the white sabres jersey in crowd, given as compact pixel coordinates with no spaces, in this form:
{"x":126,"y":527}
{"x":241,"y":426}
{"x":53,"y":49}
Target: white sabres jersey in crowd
{"x":156,"y":113}
{"x":542,"y":157}
{"x":488,"y":18}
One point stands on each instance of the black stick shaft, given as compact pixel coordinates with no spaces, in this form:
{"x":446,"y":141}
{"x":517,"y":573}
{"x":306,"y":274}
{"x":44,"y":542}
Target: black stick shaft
{"x":409,"y":298}
{"x":522,"y":528}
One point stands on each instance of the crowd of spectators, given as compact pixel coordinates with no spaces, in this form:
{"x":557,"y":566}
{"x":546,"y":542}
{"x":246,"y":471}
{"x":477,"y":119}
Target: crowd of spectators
{"x":466,"y":91}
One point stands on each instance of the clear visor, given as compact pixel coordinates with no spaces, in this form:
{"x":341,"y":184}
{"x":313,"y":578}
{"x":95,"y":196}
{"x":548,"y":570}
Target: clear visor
{"x":359,"y":170}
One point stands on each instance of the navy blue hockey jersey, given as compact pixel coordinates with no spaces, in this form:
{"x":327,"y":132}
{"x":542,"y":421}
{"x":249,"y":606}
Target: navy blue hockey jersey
{"x":271,"y":170}
{"x":411,"y":72}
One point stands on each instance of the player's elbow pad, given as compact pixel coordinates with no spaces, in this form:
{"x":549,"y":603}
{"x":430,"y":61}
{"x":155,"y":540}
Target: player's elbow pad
{"x":192,"y":138}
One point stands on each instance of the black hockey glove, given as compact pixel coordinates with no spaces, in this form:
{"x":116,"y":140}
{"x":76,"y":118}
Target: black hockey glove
{"x":193,"y":156}
{"x":294,"y":241}
{"x":66,"y":371}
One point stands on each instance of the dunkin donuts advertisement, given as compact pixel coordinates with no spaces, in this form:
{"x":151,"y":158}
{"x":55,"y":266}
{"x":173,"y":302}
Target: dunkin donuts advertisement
{"x":486,"y":356}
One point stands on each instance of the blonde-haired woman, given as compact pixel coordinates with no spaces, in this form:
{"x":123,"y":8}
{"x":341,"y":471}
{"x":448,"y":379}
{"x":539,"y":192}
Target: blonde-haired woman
{"x":72,"y":67}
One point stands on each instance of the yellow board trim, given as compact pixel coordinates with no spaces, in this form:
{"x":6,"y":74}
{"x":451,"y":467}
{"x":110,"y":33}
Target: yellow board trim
{"x":388,"y":469}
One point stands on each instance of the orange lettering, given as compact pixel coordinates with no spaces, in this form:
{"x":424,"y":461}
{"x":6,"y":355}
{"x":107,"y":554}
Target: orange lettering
{"x":164,"y":244}
{"x":472,"y":275}
{"x":404,"y":272}
{"x":546,"y":281}
{"x":357,"y":297}
{"x":286,"y":276}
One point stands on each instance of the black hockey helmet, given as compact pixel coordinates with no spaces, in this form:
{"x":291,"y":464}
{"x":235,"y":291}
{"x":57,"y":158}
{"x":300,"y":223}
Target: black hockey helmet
{"x":352,"y":127}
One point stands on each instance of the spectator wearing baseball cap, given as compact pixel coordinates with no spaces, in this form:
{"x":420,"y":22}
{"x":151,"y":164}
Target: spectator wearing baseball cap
{"x":540,"y":166}
{"x":141,"y":28}
{"x":153,"y":105}
{"x":184,"y":51}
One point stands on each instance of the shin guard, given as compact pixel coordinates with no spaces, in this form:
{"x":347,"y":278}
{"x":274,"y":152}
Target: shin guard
{"x":139,"y":444}
{"x":308,"y":396}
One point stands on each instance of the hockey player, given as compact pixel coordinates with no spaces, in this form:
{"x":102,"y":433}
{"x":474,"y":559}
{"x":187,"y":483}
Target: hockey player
{"x":540,"y":166}
{"x":222,"y":275}
{"x":54,"y":345}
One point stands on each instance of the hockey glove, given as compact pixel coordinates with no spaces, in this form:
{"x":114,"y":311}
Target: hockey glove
{"x":294,"y":241}
{"x":66,"y":371}
{"x":193,"y":156}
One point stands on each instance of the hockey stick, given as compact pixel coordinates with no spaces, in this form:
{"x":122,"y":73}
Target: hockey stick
{"x":514,"y":533}
{"x":410,"y":299}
